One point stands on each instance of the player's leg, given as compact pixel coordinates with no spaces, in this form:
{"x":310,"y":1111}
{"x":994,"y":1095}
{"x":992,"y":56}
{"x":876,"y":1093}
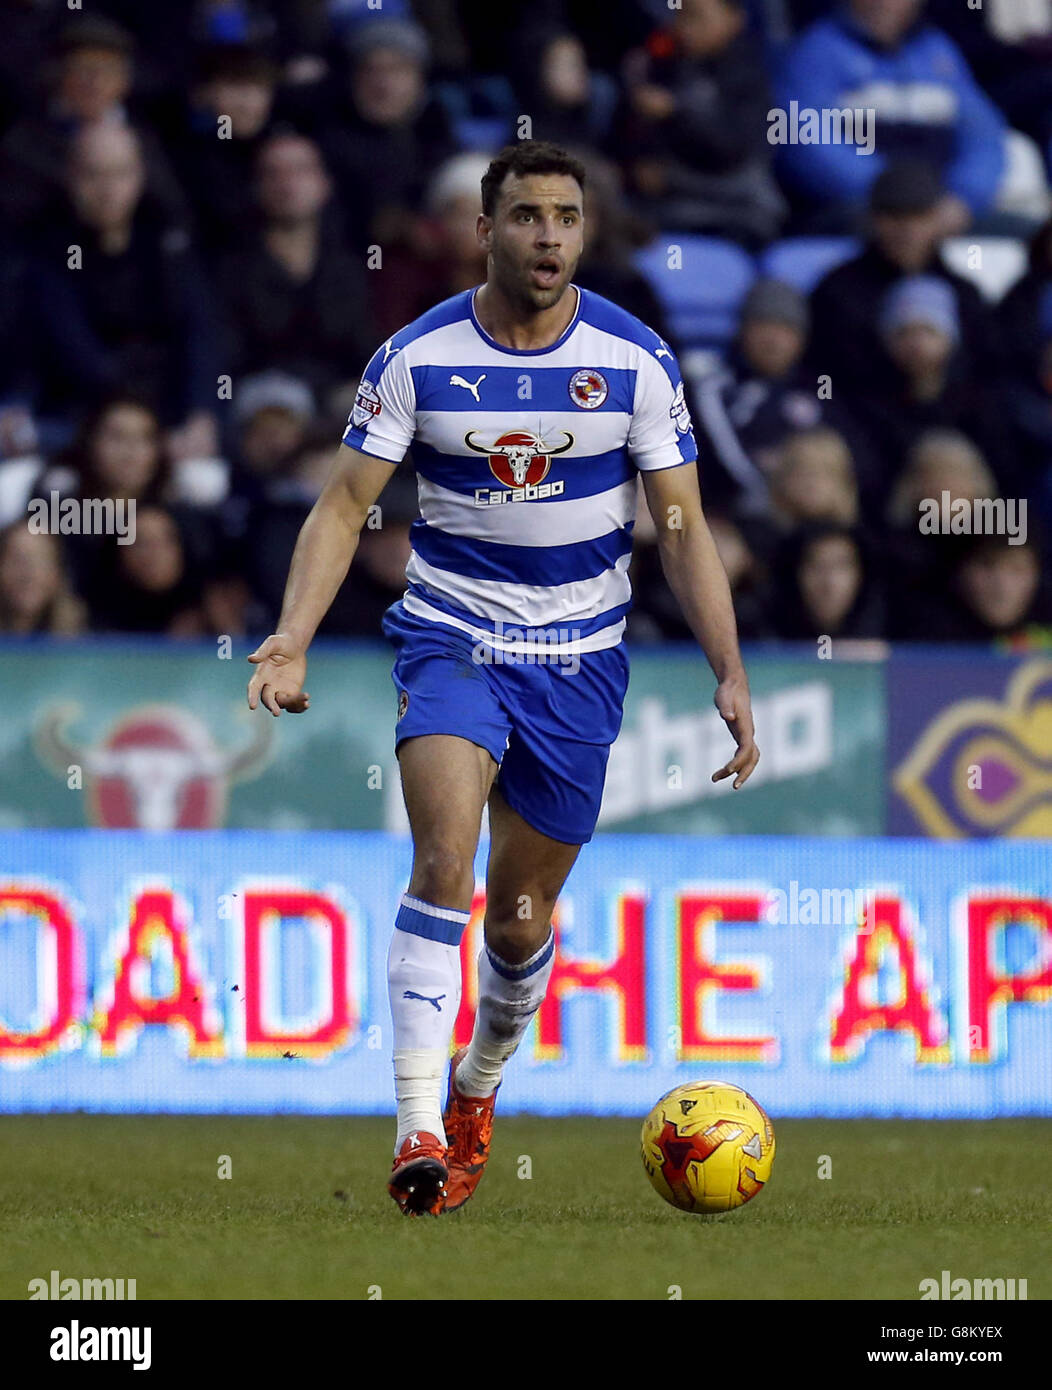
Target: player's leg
{"x":524,"y":877}
{"x":543,"y":808}
{"x":445,"y":781}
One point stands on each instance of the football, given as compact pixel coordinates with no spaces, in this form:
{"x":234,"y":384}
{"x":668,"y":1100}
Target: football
{"x":707,"y":1147}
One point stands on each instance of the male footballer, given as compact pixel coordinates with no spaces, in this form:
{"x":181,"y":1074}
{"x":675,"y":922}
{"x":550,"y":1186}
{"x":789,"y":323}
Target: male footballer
{"x":529,"y":405}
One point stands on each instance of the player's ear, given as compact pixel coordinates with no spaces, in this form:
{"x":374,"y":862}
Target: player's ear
{"x":484,"y":231}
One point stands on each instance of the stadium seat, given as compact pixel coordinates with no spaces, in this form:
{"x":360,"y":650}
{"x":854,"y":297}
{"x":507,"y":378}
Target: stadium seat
{"x":803,"y":261}
{"x":992,"y":263}
{"x":481,"y":134}
{"x":701,"y":288}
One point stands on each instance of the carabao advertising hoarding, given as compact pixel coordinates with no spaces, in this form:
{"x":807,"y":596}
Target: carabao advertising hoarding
{"x":137,"y":735}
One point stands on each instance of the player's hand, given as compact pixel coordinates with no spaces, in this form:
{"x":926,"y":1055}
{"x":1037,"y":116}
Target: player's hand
{"x":733,"y":702}
{"x":277,"y":682}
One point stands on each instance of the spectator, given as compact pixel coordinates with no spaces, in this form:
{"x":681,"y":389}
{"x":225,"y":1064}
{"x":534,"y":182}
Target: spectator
{"x":92,"y":78}
{"x":383,"y":133}
{"x":132,"y":314}
{"x":154,"y":585}
{"x":940,"y":462}
{"x":880,"y":56}
{"x":694,"y":130}
{"x":377,"y":574}
{"x":273,"y":411}
{"x":814,"y":481}
{"x":441,"y":256}
{"x":656,"y":615}
{"x":35,"y":594}
{"x":296,"y":298}
{"x":998,"y":594}
{"x":920,"y":327}
{"x":119,"y":455}
{"x":568,"y":103}
{"x":1018,"y":313}
{"x":1009,"y":49}
{"x":763,"y":393}
{"x":1028,"y":404}
{"x":826,"y":587}
{"x":236,"y":86}
{"x":16,"y":320}
{"x":905,"y":231}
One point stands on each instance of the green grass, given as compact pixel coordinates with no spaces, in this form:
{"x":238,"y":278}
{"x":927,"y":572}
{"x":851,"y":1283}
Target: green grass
{"x":138,"y":1197}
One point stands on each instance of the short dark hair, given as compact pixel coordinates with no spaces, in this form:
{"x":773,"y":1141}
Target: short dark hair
{"x":236,"y":62}
{"x":527,"y":157}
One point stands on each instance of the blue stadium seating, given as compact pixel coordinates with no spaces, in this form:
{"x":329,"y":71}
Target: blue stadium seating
{"x":803,"y":261}
{"x":701,"y":297}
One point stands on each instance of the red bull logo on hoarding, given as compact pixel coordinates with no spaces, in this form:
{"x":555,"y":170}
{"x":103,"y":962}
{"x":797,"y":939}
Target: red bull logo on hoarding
{"x":157,"y":768}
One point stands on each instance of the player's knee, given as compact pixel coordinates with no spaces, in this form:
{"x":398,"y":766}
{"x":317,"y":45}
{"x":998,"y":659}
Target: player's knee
{"x":443,"y":874}
{"x":516,"y":931}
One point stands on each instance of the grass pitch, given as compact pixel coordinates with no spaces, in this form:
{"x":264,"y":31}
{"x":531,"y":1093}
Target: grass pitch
{"x":306,"y":1214}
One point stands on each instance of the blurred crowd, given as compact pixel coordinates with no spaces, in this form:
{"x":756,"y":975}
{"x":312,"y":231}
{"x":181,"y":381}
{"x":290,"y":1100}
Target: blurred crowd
{"x":212,"y":213}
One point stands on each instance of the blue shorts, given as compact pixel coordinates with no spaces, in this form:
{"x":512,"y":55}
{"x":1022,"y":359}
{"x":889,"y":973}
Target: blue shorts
{"x":548,"y":725}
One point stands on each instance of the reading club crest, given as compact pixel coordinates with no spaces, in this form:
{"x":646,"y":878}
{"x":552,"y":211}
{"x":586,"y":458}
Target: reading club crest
{"x":588,"y":389}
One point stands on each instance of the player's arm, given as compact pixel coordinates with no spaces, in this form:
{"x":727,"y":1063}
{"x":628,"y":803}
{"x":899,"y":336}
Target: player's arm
{"x":323,"y":554}
{"x":696,"y":576}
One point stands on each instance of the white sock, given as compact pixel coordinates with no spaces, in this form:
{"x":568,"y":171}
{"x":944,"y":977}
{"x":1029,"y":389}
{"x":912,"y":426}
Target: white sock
{"x":509,"y":996}
{"x":423,"y":980}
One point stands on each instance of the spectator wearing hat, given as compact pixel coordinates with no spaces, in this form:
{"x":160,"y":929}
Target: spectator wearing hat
{"x":382,"y":132}
{"x":295,"y":297}
{"x":693,"y":130}
{"x":870,"y":56}
{"x":764,"y":393}
{"x":920,"y":329}
{"x":272,"y":411}
{"x":90,"y":82}
{"x":904,"y":232}
{"x":133,"y":315}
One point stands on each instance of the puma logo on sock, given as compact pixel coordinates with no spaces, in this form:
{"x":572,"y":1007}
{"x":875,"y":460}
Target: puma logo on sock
{"x":424,"y":998}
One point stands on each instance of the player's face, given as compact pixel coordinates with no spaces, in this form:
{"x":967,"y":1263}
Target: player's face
{"x":535,"y":238}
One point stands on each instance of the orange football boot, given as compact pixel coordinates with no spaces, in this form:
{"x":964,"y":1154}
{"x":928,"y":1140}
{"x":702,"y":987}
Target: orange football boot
{"x":468,"y":1122}
{"x":418,"y":1176}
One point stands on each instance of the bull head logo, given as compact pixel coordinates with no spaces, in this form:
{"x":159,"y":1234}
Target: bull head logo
{"x":518,"y":458}
{"x":157,"y":768}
